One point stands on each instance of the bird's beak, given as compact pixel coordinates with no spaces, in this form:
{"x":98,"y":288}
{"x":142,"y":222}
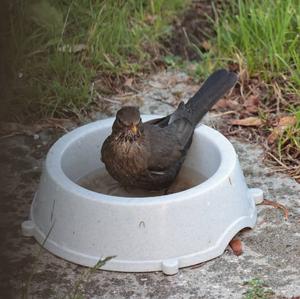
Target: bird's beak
{"x":134,"y":129}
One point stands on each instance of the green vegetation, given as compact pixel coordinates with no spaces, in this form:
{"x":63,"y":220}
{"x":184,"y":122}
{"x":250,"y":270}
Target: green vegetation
{"x":265,"y":34}
{"x":257,"y":290}
{"x":58,"y":47}
{"x":262,"y":39}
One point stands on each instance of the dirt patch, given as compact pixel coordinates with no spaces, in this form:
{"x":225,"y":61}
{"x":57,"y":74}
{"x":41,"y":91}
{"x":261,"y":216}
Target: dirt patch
{"x":192,"y":30}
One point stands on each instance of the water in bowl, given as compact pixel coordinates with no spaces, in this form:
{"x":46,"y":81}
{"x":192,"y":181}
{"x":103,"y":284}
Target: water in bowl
{"x":100,"y":181}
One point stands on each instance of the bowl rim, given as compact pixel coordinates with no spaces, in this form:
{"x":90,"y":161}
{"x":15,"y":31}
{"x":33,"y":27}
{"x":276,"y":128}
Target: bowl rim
{"x":228,"y":159}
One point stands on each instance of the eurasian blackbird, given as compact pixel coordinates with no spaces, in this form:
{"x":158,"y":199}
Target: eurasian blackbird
{"x":149,"y":155}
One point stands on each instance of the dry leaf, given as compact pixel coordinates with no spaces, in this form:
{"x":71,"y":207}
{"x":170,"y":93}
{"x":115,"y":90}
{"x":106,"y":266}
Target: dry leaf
{"x":251,"y":104}
{"x":283,"y":123}
{"x":287,"y":121}
{"x":273,"y":136}
{"x":220,"y":104}
{"x":236,"y":246}
{"x":233,"y":105}
{"x":128,"y":82}
{"x":223,"y":104}
{"x":247,"y":122}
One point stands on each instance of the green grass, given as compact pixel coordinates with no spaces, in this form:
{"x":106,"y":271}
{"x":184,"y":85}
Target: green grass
{"x":265,"y":34}
{"x":58,"y":47}
{"x":262,"y":37}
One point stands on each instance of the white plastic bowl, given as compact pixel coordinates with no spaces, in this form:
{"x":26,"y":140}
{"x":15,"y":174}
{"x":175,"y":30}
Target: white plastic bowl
{"x":145,"y":234}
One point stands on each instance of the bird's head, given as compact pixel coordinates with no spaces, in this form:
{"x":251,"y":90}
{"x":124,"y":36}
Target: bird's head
{"x":128,"y":124}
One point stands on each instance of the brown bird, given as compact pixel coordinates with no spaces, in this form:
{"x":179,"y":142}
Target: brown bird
{"x":149,"y":155}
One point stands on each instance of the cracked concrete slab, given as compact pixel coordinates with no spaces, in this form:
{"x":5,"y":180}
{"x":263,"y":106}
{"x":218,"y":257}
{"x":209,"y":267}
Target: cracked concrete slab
{"x":271,"y":249}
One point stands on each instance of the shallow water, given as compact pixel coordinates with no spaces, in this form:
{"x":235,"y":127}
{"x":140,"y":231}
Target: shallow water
{"x":100,"y":181}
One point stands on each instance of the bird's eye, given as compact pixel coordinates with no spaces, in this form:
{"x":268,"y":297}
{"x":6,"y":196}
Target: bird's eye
{"x":119,"y":123}
{"x":122,"y":124}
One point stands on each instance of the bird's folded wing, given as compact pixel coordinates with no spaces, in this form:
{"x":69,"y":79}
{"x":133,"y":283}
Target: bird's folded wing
{"x":168,"y":145}
{"x":161,"y":122}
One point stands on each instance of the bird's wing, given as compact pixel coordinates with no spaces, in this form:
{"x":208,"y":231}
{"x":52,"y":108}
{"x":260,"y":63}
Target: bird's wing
{"x":168,"y":145}
{"x":161,"y":122}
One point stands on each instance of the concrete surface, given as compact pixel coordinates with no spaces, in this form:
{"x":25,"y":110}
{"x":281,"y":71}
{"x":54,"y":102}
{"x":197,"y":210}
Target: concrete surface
{"x":271,"y":250}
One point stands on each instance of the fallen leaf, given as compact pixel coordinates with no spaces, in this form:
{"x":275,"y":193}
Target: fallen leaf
{"x":223,"y":104}
{"x":247,"y":122}
{"x":236,"y":246}
{"x":128,"y":82}
{"x":287,"y":121}
{"x":273,"y":136}
{"x":251,"y":104}
{"x":233,"y":105}
{"x":220,"y":104}
{"x":277,"y":206}
{"x":282,"y":124}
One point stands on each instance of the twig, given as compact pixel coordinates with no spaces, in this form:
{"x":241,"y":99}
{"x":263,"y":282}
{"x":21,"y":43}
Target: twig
{"x":106,"y":99}
{"x":277,"y":206}
{"x":224,"y":113}
{"x":278,"y":161}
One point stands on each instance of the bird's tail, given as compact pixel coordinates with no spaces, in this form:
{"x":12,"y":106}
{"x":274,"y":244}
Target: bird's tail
{"x":209,"y":93}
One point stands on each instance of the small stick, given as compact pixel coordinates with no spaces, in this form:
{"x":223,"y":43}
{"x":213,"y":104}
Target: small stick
{"x":277,"y":206}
